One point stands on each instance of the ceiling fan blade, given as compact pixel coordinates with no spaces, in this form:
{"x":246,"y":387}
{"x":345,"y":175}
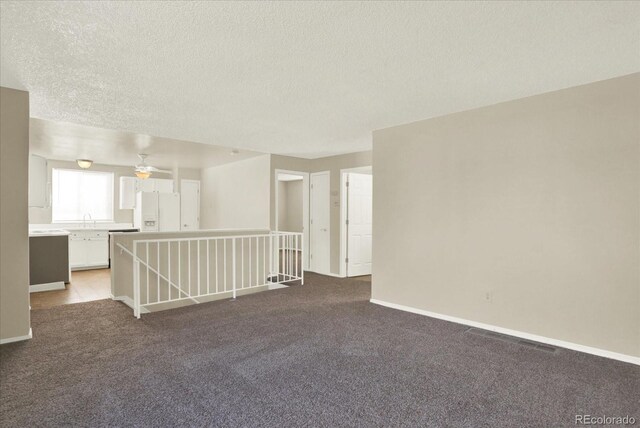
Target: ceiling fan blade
{"x":164,"y":171}
{"x":143,"y":167}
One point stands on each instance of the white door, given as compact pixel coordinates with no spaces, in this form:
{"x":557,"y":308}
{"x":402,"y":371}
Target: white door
{"x":359,"y":224}
{"x":190,"y":204}
{"x":319,"y":259}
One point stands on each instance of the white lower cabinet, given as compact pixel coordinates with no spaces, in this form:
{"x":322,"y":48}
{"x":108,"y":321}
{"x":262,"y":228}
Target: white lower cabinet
{"x":88,"y":249}
{"x":77,"y":254}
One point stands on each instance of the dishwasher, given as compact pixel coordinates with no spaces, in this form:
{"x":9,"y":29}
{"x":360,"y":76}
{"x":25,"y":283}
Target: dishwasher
{"x":130,"y":230}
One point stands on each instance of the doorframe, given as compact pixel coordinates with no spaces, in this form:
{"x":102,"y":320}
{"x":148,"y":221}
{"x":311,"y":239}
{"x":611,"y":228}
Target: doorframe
{"x":328,"y":173}
{"x":183,"y":180}
{"x":344,"y":202}
{"x":306,"y":182}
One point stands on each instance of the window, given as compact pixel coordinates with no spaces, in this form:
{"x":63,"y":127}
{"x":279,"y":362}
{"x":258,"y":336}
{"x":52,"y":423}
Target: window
{"x":78,"y":194}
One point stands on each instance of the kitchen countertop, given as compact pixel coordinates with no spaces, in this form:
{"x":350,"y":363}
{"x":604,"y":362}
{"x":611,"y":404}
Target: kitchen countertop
{"x":47,"y":232}
{"x":40,"y":228}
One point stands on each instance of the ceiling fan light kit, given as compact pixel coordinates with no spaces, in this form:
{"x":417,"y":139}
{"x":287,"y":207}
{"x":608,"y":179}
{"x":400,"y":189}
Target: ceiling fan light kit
{"x":143,"y":175}
{"x":144,"y":171}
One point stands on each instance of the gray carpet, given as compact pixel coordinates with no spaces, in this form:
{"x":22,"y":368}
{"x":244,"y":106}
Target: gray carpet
{"x":312,"y":355}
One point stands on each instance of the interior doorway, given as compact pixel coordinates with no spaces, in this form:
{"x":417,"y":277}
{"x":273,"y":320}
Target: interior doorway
{"x":320,"y":223}
{"x":356,"y":235}
{"x":292,"y":208}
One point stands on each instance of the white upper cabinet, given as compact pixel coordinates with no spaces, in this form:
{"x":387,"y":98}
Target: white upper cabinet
{"x":129,"y":186}
{"x":163,"y":185}
{"x":38,"y":182}
{"x":127,"y":193}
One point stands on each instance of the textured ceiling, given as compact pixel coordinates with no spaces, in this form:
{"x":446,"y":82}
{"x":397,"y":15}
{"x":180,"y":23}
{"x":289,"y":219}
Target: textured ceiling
{"x":305,"y":78}
{"x":69,"y":141}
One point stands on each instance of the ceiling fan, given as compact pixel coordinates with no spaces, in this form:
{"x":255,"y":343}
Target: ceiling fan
{"x":144,"y":171}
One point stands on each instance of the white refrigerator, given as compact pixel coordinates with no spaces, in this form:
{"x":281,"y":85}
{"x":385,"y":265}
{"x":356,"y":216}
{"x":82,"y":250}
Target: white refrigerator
{"x":157,"y":212}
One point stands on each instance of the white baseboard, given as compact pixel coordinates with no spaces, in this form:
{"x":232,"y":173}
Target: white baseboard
{"x":17,"y":339}
{"x":129,"y":302}
{"x":277,"y":286}
{"x":92,"y":267}
{"x":326,"y":274}
{"x":335,"y":275}
{"x":58,"y":285}
{"x":528,"y":336}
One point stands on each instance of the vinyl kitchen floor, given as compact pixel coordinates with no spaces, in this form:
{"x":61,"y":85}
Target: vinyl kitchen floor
{"x":85,"y":286}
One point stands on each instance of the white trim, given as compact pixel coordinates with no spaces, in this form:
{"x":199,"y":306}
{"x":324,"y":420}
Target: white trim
{"x":343,"y":213}
{"x":343,"y":219}
{"x":129,"y":302}
{"x":289,"y":177}
{"x":48,"y":286}
{"x":305,"y":209}
{"x":534,"y":337}
{"x":17,"y":338}
{"x":88,"y":267}
{"x":335,"y":275}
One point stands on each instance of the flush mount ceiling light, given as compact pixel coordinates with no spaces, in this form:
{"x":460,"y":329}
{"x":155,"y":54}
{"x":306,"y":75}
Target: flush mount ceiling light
{"x":84,"y":163}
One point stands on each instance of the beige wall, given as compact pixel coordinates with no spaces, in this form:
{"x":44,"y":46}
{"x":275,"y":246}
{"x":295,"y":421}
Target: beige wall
{"x":523,"y":215}
{"x":236,"y":195}
{"x":333,"y":164}
{"x":14,"y":227}
{"x":43,"y":215}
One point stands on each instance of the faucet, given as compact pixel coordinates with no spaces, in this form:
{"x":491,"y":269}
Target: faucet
{"x":84,"y":220}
